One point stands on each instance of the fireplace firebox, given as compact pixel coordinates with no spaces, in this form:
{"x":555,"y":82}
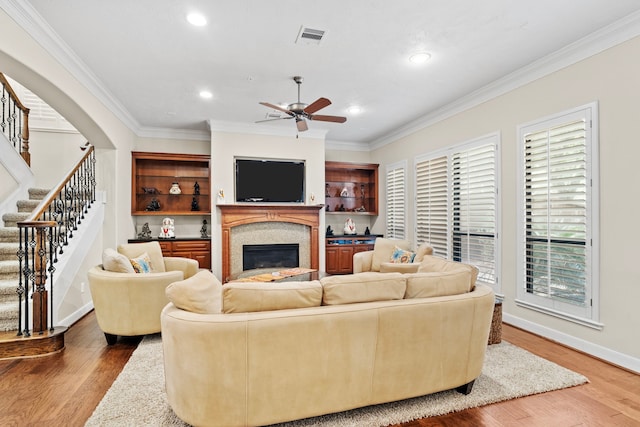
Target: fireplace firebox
{"x":285,"y":255}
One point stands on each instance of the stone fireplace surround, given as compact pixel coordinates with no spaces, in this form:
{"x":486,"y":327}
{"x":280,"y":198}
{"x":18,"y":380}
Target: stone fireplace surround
{"x":242,"y":214}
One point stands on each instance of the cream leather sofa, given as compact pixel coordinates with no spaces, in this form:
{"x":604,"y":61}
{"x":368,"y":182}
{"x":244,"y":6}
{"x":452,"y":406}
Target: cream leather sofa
{"x":380,"y":258}
{"x":247,"y":354}
{"x":127,"y":303}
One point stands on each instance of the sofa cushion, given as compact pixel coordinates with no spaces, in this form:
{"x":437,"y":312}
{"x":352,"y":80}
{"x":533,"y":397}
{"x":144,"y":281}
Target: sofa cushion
{"x":200,"y":293}
{"x":437,"y":264}
{"x":245,"y":297}
{"x":142,"y":263}
{"x":133,"y":250}
{"x":423,"y":249}
{"x":362,"y":287}
{"x":401,"y":256}
{"x":383,"y":249}
{"x":116,"y":262}
{"x":392,"y":267}
{"x":437,"y":284}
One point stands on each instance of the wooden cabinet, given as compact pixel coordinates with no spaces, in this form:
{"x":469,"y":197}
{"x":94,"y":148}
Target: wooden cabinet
{"x":339,"y":252}
{"x":154,"y":174}
{"x":198,"y":249}
{"x":351,"y":188}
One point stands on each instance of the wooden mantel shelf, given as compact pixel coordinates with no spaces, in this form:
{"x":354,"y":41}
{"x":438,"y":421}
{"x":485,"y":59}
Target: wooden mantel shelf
{"x":241,"y":214}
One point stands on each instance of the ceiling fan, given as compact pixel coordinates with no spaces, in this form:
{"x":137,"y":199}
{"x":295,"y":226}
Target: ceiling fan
{"x":301,"y":111}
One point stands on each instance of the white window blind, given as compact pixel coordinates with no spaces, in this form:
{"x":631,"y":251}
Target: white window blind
{"x":396,"y":201}
{"x":557,"y":201}
{"x":432,"y":204}
{"x":474,"y":209}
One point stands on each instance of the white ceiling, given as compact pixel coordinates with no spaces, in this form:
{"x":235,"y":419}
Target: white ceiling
{"x":152,"y":64}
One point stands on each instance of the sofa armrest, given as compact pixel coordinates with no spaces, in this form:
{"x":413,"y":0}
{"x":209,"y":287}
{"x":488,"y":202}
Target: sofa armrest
{"x":391,"y":267}
{"x":187,"y":265}
{"x":362,"y":261}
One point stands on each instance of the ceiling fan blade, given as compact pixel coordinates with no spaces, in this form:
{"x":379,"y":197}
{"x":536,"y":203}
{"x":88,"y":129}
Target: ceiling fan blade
{"x":277,"y":118}
{"x":276,"y":107}
{"x":319,"y":104}
{"x":301,"y":124}
{"x":334,"y":119}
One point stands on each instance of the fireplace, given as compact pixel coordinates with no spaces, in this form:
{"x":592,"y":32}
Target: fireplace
{"x":271,"y":255}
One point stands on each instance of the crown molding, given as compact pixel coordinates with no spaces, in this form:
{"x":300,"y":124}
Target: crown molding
{"x":596,"y":42}
{"x":169,"y":133}
{"x":31,"y":21}
{"x":346,"y":145}
{"x":258,"y":129}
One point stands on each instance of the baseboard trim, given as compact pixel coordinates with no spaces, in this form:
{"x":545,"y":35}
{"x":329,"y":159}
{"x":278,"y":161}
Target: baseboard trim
{"x":611,"y":356}
{"x":76,"y":315}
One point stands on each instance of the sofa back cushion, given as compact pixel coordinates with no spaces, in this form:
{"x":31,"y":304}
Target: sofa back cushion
{"x":437,"y":284}
{"x":432,"y":264}
{"x":134,"y":250}
{"x":245,"y":297}
{"x":383,"y":250}
{"x":200,"y":293}
{"x":362,"y":287}
{"x":116,"y":262}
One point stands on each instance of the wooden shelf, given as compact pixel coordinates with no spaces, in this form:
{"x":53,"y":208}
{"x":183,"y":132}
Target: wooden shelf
{"x":339,"y":251}
{"x":351,"y":188}
{"x":152,"y":175}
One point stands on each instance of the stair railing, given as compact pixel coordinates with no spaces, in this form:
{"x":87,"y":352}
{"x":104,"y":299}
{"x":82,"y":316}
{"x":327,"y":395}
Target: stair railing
{"x":43,"y":237}
{"x":14,"y":121}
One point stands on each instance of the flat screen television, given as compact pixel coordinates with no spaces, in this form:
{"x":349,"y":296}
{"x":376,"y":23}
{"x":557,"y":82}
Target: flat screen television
{"x":271,"y":181}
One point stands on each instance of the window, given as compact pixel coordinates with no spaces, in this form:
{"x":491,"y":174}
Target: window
{"x":456,"y":205}
{"x":557,"y":204}
{"x":396,"y":200}
{"x":432,"y":196}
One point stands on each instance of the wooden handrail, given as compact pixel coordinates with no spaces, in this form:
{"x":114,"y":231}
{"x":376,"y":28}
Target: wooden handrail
{"x":24,"y":143}
{"x":44,"y":204}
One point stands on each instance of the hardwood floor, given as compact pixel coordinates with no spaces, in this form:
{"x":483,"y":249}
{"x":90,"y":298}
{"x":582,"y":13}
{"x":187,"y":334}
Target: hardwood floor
{"x":63,"y":389}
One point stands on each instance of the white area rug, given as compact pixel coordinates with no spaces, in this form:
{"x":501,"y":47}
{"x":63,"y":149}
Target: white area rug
{"x":137,"y":396}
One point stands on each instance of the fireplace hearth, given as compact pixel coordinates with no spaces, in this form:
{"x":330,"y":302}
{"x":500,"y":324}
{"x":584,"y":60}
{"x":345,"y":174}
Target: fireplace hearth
{"x":285,"y":255}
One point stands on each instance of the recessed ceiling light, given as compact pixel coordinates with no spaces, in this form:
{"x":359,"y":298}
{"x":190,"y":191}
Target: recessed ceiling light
{"x":354,"y":109}
{"x":205,"y":94}
{"x":197,"y":19}
{"x":419,"y":57}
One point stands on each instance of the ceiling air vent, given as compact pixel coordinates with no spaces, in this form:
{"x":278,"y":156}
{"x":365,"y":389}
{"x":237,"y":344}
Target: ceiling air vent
{"x":309,"y":35}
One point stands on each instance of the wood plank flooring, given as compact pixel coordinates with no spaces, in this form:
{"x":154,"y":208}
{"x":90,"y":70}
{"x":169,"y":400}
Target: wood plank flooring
{"x":63,"y":389}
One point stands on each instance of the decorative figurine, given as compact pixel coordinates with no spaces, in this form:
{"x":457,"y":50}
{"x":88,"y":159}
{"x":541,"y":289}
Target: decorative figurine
{"x":341,"y":208}
{"x":150,"y":190}
{"x":166,"y":231}
{"x":312,"y":198}
{"x":367,"y":232}
{"x":194,"y":204}
{"x":344,"y":192}
{"x":362,"y":190}
{"x":329,"y":231}
{"x":220,"y":196}
{"x":203,"y":230}
{"x":145,"y":233}
{"x":154,"y":205}
{"x":196,"y":189}
{"x":326,"y":190}
{"x":175,"y":189}
{"x":349,"y":227}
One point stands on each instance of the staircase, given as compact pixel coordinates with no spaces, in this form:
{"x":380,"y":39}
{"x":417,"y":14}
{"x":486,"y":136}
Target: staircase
{"x":9,"y":267}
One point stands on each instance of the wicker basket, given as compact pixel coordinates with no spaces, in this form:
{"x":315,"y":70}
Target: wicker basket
{"x":495,"y":334}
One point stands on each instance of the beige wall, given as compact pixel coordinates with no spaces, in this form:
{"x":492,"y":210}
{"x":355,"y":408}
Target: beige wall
{"x":611,"y":78}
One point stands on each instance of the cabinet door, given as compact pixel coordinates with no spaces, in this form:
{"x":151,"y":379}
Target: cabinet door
{"x":331,"y":260}
{"x":345,"y":260}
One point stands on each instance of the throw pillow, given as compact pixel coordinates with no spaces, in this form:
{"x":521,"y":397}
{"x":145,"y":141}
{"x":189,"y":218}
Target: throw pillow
{"x":142,"y":264}
{"x":200,"y":293}
{"x":401,"y":256}
{"x":116,"y":262}
{"x":134,"y":250}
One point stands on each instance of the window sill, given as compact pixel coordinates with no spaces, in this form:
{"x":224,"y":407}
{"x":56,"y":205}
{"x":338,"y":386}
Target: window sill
{"x":564,"y":316}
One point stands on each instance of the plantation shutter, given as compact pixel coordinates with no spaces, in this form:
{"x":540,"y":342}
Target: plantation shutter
{"x":396,"y":218}
{"x":555,"y":218}
{"x":431,"y":204}
{"x":474,"y":208}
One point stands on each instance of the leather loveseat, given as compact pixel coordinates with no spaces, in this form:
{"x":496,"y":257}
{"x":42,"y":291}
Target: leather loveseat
{"x":254,"y":354}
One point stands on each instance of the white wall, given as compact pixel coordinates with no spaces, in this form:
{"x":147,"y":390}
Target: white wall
{"x":611,"y":78}
{"x":53,"y":155}
{"x":225,"y":146}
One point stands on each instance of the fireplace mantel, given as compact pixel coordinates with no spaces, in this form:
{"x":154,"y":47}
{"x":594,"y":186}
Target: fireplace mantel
{"x":235,"y":215}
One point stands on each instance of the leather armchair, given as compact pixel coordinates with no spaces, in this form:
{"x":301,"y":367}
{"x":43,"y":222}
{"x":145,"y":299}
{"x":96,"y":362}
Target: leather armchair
{"x":129,"y":304}
{"x":379,"y":259}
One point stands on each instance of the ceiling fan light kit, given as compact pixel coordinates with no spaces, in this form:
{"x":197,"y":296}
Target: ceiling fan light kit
{"x":301,"y":111}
